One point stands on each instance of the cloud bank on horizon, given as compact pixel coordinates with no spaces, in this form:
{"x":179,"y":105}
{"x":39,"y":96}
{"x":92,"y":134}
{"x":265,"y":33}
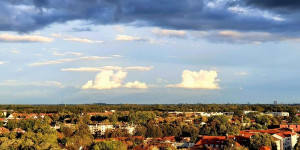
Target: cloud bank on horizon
{"x":149,"y":51}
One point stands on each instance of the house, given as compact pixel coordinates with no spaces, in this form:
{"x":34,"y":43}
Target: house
{"x":198,"y":123}
{"x":248,"y":111}
{"x":170,"y":139}
{"x":55,"y":125}
{"x":287,"y":139}
{"x":265,"y":148}
{"x":209,"y":114}
{"x":10,"y":117}
{"x":130,"y":128}
{"x":3,"y":130}
{"x":18,"y":130}
{"x":295,"y":127}
{"x":204,"y":114}
{"x":280,"y":114}
{"x":212,"y":142}
{"x":244,"y":138}
{"x":100,"y":128}
{"x":284,"y":138}
{"x":43,"y":115}
{"x":183,"y":144}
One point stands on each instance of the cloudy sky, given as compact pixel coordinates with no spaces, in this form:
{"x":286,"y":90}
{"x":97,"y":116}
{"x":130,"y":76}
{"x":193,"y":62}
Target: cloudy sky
{"x":149,"y":51}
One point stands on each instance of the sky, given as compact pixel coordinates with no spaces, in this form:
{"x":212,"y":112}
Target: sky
{"x":149,"y":51}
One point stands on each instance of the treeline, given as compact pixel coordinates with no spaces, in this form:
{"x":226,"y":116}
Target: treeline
{"x":77,"y":109}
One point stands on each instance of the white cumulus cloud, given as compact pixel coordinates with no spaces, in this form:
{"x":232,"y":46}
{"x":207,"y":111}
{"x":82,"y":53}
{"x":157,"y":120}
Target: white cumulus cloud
{"x":198,"y":80}
{"x":24,"y":38}
{"x":136,"y":85}
{"x":107,"y":79}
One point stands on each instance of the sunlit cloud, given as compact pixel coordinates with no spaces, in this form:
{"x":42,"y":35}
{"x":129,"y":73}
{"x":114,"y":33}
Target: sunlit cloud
{"x":115,"y":68}
{"x":60,"y":61}
{"x":33,"y":83}
{"x":82,"y":40}
{"x":198,"y":80}
{"x":169,"y":33}
{"x":130,"y":38}
{"x":107,"y":79}
{"x":56,"y":53}
{"x":10,"y":38}
{"x":239,"y":37}
{"x":139,"y":68}
{"x":136,"y":85}
{"x":116,"y":56}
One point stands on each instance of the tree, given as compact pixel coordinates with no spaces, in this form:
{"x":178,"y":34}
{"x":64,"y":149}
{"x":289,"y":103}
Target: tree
{"x":297,"y":146}
{"x":113,"y":118}
{"x":82,"y":136}
{"x":110,"y":145}
{"x":67,"y":131}
{"x":140,"y":131}
{"x":259,"y":140}
{"x":219,"y":125}
{"x":153,"y":130}
{"x":295,"y":119}
{"x":231,"y":145}
{"x":116,"y":133}
{"x":12,"y":124}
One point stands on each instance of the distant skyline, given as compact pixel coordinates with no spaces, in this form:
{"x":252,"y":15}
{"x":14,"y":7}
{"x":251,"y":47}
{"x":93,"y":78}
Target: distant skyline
{"x":149,"y":51}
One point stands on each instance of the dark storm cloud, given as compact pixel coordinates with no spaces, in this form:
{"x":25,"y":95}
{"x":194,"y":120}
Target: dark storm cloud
{"x":30,"y":15}
{"x":286,"y":5}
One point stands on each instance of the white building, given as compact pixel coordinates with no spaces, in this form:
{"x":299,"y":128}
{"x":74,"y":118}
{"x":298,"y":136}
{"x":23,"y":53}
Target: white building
{"x":101,"y":128}
{"x":129,"y":128}
{"x":248,"y":111}
{"x":11,"y":116}
{"x":287,"y":141}
{"x":281,"y":114}
{"x":209,"y":114}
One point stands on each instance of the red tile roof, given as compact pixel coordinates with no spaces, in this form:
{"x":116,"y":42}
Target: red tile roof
{"x":19,"y":130}
{"x":211,"y":140}
{"x":171,"y":139}
{"x":265,"y":148}
{"x":3,"y":130}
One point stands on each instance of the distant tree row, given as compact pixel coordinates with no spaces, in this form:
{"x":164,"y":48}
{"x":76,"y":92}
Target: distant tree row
{"x":78,"y":109}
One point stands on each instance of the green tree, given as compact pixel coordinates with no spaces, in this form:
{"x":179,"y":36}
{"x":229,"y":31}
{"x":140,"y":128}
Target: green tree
{"x":231,"y":145}
{"x":140,"y":130}
{"x":12,"y":124}
{"x":219,"y":125}
{"x":67,"y":131}
{"x":259,"y":140}
{"x":153,"y":130}
{"x":110,"y":145}
{"x":113,"y":118}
